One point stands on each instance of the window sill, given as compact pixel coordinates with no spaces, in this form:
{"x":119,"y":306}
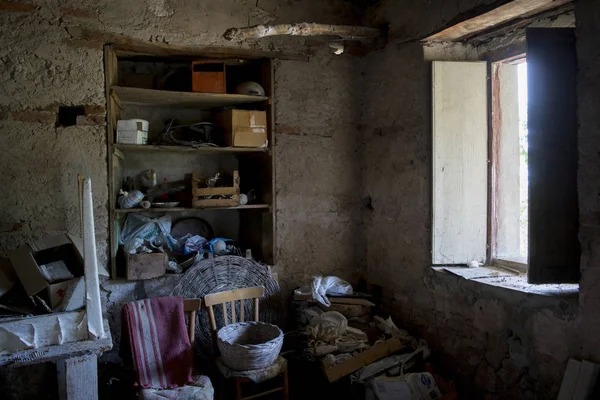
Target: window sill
{"x":510,"y":280}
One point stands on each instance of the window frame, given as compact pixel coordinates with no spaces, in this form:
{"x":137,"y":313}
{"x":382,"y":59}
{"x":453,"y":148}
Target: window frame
{"x":494,"y":112}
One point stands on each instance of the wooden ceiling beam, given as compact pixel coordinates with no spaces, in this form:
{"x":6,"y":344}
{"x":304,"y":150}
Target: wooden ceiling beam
{"x":496,"y":17}
{"x":126,"y":46}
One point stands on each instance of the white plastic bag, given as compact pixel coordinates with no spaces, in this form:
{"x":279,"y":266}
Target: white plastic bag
{"x":323,"y":285}
{"x":140,"y":226}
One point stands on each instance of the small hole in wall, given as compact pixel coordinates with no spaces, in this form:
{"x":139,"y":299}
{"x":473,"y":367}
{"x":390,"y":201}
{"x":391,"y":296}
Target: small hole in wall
{"x":67,"y":116}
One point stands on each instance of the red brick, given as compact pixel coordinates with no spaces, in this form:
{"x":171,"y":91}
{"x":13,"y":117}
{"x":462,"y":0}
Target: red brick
{"x":42,"y":117}
{"x":16,"y":7}
{"x":94,"y":109}
{"x":93,"y":119}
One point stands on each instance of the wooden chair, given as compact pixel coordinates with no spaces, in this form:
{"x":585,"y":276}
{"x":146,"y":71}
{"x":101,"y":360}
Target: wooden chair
{"x":191,"y":306}
{"x":231,"y":297}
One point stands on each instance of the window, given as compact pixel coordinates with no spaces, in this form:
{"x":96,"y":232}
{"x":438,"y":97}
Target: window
{"x":505,"y":160}
{"x":508,"y":239}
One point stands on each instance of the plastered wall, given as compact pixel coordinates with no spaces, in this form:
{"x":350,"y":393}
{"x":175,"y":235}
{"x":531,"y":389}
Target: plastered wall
{"x":317,"y":112}
{"x":499,"y":343}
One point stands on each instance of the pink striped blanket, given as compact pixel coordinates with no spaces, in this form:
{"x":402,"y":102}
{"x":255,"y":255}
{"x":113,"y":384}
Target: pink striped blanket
{"x":155,"y":333}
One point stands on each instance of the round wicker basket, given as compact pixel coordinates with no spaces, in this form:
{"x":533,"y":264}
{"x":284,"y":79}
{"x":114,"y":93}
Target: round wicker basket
{"x":249,"y":345}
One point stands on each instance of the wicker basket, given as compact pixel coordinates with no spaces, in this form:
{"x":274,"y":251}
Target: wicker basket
{"x":249,"y":345}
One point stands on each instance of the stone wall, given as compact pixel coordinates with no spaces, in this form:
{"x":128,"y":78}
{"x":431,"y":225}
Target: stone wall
{"x":317,"y":112}
{"x":499,"y":343}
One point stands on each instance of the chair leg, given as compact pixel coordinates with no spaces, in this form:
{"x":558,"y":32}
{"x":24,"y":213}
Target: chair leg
{"x":286,"y":388}
{"x":238,"y":389}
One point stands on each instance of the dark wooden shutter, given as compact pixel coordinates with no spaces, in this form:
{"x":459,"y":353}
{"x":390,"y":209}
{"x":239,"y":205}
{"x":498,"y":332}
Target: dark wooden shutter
{"x":554,"y":250}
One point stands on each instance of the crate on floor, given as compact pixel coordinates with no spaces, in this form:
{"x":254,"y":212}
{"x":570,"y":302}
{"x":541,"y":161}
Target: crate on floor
{"x":200,"y":193}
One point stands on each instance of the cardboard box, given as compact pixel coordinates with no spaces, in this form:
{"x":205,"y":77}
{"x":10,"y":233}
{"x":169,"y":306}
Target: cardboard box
{"x":145,"y":266}
{"x":68,"y":295}
{"x":208,"y":76}
{"x":132,"y":131}
{"x":26,"y":260}
{"x":243,"y":128}
{"x":8,"y":278}
{"x":418,"y":386}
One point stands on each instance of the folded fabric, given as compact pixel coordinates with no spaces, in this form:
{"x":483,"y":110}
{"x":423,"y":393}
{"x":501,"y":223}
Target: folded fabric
{"x":200,"y":388}
{"x":155,"y":335}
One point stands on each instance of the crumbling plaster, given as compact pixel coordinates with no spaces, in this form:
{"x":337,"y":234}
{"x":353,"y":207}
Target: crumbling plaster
{"x":500,"y":343}
{"x":317,"y":116}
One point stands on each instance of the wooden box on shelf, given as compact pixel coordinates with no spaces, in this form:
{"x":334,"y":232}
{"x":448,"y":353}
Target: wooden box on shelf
{"x":199,"y":191}
{"x":145,"y":266}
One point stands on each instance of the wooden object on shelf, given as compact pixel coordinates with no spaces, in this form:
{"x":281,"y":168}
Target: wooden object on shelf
{"x":208,"y":76}
{"x":145,"y":266}
{"x":166,"y":98}
{"x":199,"y":191}
{"x":244,"y":128}
{"x":187,"y":149}
{"x":182,"y":209}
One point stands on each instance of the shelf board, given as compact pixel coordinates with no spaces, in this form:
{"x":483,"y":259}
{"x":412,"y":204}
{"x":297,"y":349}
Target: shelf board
{"x":186,"y":149}
{"x":181,"y":209}
{"x":151,"y":97}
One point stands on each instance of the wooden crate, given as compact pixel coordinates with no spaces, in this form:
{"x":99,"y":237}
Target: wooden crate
{"x":199,"y":191}
{"x":360,"y":360}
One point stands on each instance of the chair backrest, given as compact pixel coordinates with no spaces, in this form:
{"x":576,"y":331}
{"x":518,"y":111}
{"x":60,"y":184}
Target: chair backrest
{"x":190,"y":306}
{"x":230,"y":297}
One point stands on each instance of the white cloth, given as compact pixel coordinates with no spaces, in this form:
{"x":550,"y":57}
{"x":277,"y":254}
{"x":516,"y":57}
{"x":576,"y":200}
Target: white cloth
{"x":200,"y":388}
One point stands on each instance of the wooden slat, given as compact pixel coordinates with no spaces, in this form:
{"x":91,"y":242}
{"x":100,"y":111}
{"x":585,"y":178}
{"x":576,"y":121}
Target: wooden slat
{"x":166,"y":98}
{"x":498,"y":16}
{"x":554,"y":249}
{"x":127,"y":46}
{"x":365,"y":358}
{"x":242,"y":311}
{"x":111,"y":69}
{"x":213,"y":327}
{"x":147,"y":148}
{"x":232,"y":295}
{"x":192,"y":327}
{"x":459,"y":162}
{"x":224,"y":313}
{"x":216,"y":191}
{"x":256,"y":311}
{"x":182,"y":209}
{"x":232,"y":305}
{"x":216,"y":203}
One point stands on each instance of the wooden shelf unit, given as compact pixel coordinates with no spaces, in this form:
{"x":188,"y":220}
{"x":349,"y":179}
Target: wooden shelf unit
{"x":256,"y":221}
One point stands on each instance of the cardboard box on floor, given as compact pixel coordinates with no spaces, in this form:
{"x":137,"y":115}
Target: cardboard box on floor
{"x":8,"y":279}
{"x":416,"y":386}
{"x":243,"y":128}
{"x":27,"y":259}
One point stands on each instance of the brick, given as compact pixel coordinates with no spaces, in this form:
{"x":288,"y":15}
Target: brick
{"x":94,"y":120}
{"x":94,"y":109}
{"x":16,"y":7}
{"x":42,"y":117}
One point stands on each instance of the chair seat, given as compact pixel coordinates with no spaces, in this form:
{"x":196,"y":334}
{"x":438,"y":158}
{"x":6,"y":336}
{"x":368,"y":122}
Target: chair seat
{"x":200,"y":388}
{"x":255,"y":375}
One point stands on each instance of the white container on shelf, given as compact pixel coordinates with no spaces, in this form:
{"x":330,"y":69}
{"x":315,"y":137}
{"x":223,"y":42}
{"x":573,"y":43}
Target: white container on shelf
{"x":132,"y":131}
